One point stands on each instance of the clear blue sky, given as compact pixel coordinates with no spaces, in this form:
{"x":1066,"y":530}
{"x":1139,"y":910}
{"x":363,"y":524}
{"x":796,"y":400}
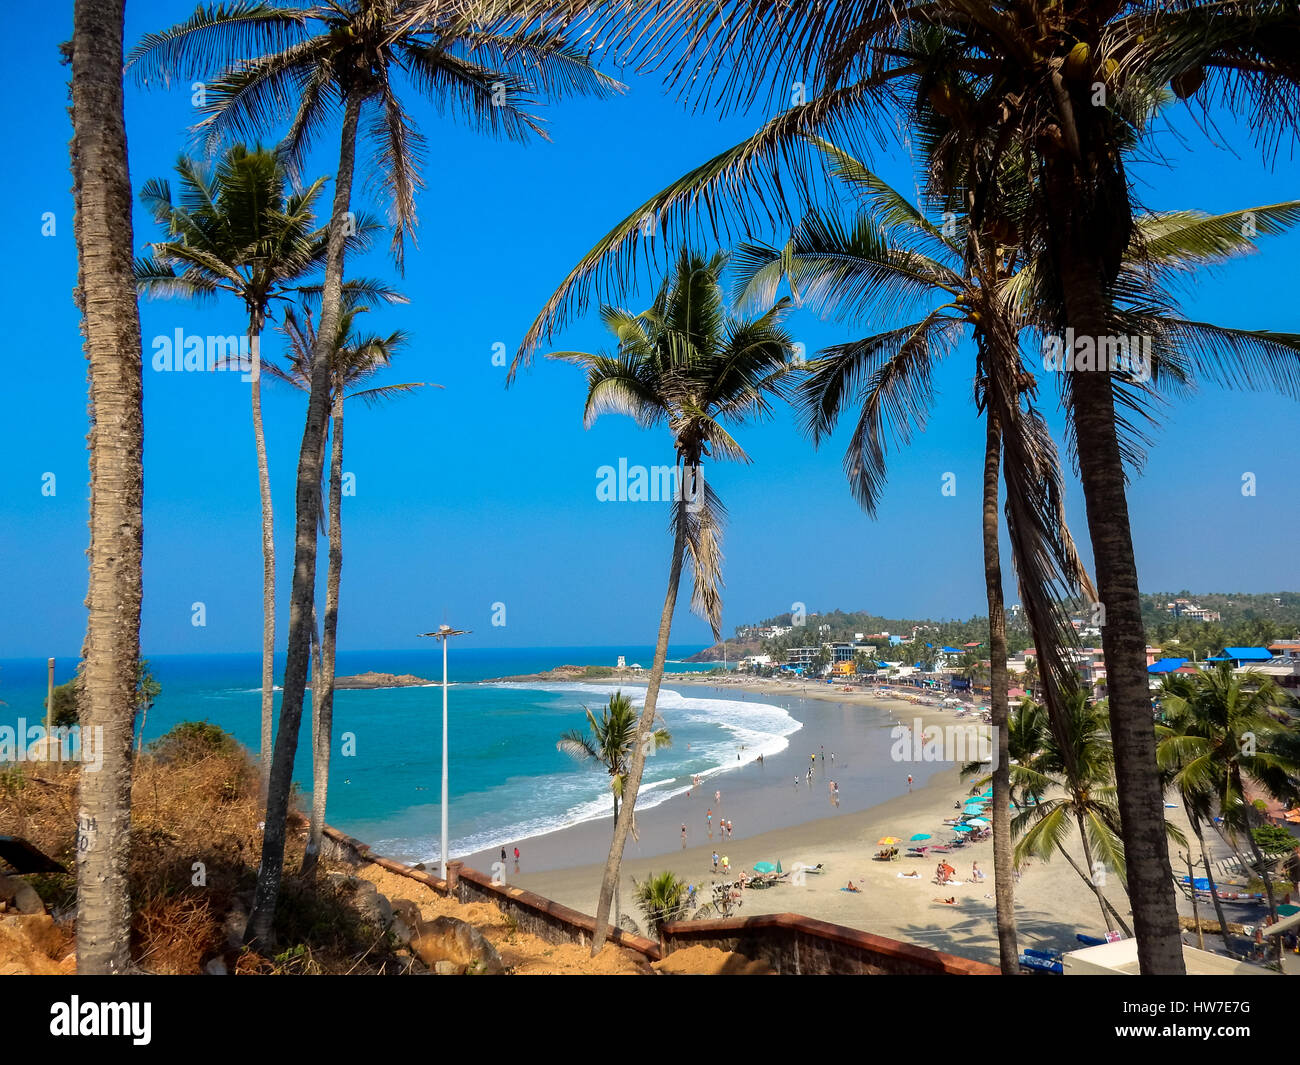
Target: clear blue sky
{"x":478,"y":494}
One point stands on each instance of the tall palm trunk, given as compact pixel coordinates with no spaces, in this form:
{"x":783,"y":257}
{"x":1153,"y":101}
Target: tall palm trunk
{"x":111,"y":327}
{"x":255,"y":324}
{"x":1101,"y":466}
{"x":1214,"y":891}
{"x":644,"y":727}
{"x":310,"y":460}
{"x":1262,"y":864}
{"x":617,"y":914}
{"x":1107,"y":910}
{"x":1003,"y":858}
{"x":323,"y":691}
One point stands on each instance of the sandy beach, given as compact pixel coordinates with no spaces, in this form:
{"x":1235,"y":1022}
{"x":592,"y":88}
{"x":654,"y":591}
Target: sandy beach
{"x":774,"y":821}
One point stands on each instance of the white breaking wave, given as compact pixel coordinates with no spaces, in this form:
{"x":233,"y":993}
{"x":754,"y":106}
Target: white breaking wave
{"x":758,"y":728}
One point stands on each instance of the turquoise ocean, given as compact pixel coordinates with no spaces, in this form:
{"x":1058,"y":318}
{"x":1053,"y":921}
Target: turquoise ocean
{"x":507,"y":780}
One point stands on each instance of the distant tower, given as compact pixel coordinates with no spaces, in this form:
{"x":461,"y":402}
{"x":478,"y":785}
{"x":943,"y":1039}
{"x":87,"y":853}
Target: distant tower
{"x":622,"y":661}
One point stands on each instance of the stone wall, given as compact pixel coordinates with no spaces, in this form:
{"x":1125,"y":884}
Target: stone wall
{"x":536,"y":915}
{"x":792,"y":944}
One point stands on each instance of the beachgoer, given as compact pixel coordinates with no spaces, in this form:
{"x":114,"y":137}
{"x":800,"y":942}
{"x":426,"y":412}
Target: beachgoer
{"x":683,"y":837}
{"x":516,"y":856}
{"x":796,"y":783}
{"x":715,"y":861}
{"x":717,"y":796}
{"x":909,"y":781}
{"x":976,"y":873}
{"x":503,"y":855}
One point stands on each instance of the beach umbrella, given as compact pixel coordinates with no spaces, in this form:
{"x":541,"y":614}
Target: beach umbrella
{"x":962,"y":828}
{"x":764,"y":867}
{"x":972,"y":809}
{"x":919,"y":836}
{"x":978,"y":822}
{"x":778,"y":865}
{"x":888,"y":841}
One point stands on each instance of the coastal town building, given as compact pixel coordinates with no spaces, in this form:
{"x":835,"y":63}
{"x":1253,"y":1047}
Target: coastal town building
{"x":1185,"y":609}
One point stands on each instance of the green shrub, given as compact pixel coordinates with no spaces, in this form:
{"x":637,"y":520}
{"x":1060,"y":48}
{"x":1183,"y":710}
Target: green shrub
{"x":192,"y":741}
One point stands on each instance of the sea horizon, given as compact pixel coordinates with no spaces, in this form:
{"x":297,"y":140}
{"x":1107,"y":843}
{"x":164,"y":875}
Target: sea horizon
{"x":507,"y":781}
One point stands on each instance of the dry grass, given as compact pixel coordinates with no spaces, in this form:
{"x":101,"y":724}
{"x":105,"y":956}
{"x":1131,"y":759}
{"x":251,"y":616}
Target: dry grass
{"x":195,"y":849}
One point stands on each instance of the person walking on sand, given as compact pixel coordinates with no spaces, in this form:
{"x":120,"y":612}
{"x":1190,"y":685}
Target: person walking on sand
{"x":717,"y":797}
{"x":715,"y":861}
{"x":683,"y":836}
{"x":909,"y":782}
{"x":709,"y":819}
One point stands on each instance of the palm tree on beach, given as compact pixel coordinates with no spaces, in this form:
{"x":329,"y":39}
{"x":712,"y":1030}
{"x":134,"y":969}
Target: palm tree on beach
{"x":1062,"y":86}
{"x":236,"y":228}
{"x":355,"y":359}
{"x":608,"y":742}
{"x":891,"y":254}
{"x":687,"y":364}
{"x":304,"y":65}
{"x":110,"y":326}
{"x":662,"y":899}
{"x":1071,"y":772}
{"x":1223,"y":731}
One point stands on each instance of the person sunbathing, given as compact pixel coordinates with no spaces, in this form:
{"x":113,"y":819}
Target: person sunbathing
{"x":952,"y":901}
{"x":852,"y":888}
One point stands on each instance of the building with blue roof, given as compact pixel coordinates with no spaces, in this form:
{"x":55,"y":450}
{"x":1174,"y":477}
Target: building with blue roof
{"x":1240,"y":656}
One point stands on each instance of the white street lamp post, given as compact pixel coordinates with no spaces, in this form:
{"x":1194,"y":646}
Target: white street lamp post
{"x":444,"y":633}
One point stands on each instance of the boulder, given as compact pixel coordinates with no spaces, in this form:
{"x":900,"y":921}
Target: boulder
{"x":234,"y":925}
{"x":406,"y":921}
{"x":369,"y":904}
{"x":449,"y":939}
{"x":20,"y":895}
{"x":216,"y":967}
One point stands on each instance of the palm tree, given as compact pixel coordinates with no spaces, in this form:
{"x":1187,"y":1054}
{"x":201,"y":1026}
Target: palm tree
{"x":1178,"y":765}
{"x":237,"y":230}
{"x":355,"y":359}
{"x":302,"y":65}
{"x":1030,"y":678}
{"x":608,"y":742}
{"x":662,"y":898}
{"x":1014,"y":78}
{"x":685,"y":363}
{"x":1222,"y":730}
{"x":111,"y":328}
{"x":893,"y":255}
{"x":1076,"y":758}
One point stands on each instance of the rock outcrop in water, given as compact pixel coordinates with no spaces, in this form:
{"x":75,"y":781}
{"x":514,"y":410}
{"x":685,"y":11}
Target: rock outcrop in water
{"x":380,"y":680}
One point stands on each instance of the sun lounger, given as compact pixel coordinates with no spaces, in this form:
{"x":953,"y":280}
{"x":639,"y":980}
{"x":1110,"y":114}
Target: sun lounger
{"x":1041,"y":961}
